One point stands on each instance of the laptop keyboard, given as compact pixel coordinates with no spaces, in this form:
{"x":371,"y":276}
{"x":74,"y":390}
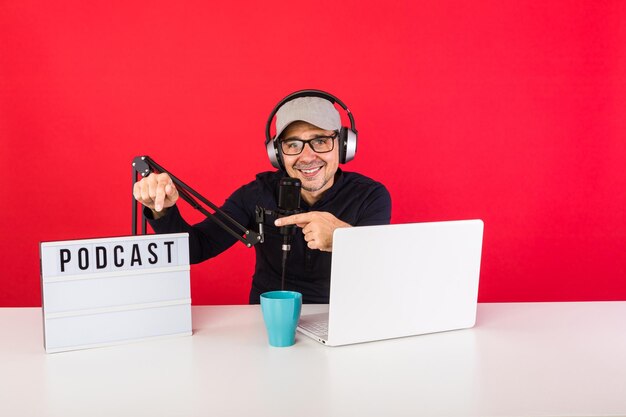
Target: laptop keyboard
{"x":318,"y":327}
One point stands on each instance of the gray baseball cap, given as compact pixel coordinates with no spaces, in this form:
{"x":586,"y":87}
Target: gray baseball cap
{"x":314,"y":110}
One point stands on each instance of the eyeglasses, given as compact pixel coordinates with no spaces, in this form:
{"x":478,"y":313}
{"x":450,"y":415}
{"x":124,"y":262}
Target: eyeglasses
{"x":319,"y":144}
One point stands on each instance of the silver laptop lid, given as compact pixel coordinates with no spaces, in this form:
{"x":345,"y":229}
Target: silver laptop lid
{"x":403,"y":279}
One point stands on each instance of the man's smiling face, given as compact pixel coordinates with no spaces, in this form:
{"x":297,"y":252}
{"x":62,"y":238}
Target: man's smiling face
{"x":315,"y":170}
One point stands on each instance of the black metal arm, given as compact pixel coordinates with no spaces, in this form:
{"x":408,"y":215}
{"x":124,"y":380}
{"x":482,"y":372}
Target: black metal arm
{"x":144,"y":165}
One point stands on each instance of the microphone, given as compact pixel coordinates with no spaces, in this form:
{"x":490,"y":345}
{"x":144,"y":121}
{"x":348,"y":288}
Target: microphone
{"x":288,"y":201}
{"x":288,"y":204}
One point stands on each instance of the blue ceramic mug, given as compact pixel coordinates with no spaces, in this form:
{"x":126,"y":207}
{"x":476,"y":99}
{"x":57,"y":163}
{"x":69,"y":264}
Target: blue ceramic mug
{"x":281,"y":312}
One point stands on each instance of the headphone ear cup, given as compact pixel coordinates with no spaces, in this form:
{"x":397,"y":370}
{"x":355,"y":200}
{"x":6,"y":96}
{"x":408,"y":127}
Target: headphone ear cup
{"x":274,"y":155}
{"x":351,"y":142}
{"x":347,"y":145}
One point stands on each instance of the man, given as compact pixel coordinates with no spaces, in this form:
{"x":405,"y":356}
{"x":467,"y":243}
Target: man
{"x":307,"y":130}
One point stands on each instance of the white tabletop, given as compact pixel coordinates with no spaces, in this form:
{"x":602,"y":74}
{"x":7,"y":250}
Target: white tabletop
{"x":522,"y":359}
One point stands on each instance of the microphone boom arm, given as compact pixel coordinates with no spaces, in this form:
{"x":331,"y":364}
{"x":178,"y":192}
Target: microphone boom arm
{"x":144,"y":165}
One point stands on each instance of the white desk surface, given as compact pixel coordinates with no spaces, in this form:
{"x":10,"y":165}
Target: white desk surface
{"x":521,"y":359}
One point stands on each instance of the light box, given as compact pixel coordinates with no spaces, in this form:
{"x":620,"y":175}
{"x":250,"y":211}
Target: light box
{"x":100,"y":292}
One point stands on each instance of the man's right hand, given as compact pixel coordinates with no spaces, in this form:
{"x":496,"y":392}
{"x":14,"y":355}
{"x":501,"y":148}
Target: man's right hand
{"x":157,"y":192}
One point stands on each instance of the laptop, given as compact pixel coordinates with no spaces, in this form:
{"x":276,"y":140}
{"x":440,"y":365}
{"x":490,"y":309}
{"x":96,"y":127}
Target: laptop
{"x":400,"y":280}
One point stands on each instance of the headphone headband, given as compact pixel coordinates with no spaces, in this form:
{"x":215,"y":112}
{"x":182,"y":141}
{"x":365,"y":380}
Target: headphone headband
{"x":306,"y":93}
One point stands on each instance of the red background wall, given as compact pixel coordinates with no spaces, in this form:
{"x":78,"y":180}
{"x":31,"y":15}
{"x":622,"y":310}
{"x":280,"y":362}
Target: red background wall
{"x":513,"y":112}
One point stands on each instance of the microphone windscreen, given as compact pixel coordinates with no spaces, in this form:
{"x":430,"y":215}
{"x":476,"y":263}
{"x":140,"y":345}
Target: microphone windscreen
{"x":289,"y":194}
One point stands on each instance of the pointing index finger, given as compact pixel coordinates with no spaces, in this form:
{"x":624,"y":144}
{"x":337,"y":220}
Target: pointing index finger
{"x":297,"y":219}
{"x":160,"y":193}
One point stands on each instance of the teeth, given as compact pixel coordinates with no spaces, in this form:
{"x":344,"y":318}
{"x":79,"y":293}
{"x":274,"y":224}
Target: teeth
{"x":309,"y":171}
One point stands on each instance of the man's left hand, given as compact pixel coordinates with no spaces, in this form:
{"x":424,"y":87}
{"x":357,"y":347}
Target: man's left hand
{"x":317,"y":228}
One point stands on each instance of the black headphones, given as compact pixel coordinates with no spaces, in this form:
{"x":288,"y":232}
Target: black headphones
{"x":347,"y":138}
